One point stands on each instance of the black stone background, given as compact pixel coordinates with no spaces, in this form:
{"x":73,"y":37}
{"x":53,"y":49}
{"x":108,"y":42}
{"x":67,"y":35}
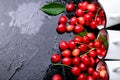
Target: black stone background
{"x":25,"y":55}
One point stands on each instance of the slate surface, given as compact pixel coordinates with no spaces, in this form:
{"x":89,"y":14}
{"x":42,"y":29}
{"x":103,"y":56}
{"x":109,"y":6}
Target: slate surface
{"x":28,"y":38}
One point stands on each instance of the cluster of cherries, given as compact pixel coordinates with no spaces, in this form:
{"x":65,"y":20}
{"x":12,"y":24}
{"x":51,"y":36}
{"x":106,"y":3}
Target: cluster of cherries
{"x":81,"y":53}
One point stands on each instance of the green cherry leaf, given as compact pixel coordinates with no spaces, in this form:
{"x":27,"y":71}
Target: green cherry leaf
{"x":83,"y":33}
{"x":103,"y":40}
{"x":53,"y":8}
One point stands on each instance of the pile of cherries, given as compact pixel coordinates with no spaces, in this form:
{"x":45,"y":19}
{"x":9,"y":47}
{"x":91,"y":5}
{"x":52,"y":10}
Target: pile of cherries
{"x":81,"y":53}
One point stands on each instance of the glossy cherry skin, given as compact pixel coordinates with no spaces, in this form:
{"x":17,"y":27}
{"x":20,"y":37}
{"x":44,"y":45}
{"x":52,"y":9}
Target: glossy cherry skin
{"x":75,"y":70}
{"x":77,"y":39}
{"x":79,"y":12}
{"x":55,"y":58}
{"x":91,"y":36}
{"x":78,"y":28}
{"x":76,"y":52}
{"x":63,"y":20}
{"x":92,"y":54}
{"x":96,"y":74}
{"x":82,"y":77}
{"x":70,"y":28}
{"x":66,"y":53}
{"x":90,"y":78}
{"x":93,"y":24}
{"x":85,"y":39}
{"x":76,"y":61}
{"x":82,"y":66}
{"x":81,"y":20}
{"x":83,"y":48}
{"x":71,"y":45}
{"x":70,"y":7}
{"x":67,"y":61}
{"x":73,"y":20}
{"x":90,"y":70}
{"x":63,"y":45}
{"x":91,"y":7}
{"x":56,"y":77}
{"x":61,"y":28}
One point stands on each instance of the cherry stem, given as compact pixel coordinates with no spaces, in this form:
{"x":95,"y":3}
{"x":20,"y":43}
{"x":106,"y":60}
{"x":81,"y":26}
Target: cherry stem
{"x":97,"y":13}
{"x":61,"y":65}
{"x":87,"y":52}
{"x":85,"y":44}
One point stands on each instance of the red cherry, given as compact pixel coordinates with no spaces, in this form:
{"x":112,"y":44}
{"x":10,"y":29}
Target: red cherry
{"x":66,"y":53}
{"x":101,"y":13}
{"x":96,"y":74}
{"x":61,"y":28}
{"x":91,"y":7}
{"x":80,"y":5}
{"x":84,"y":5}
{"x":99,"y":20}
{"x":63,"y":19}
{"x":76,"y":70}
{"x":82,"y":66}
{"x":71,"y":45}
{"x":70,"y":7}
{"x":90,"y":70}
{"x":76,"y":61}
{"x":87,"y":17}
{"x":79,"y":12}
{"x":81,"y":20}
{"x":92,"y":54}
{"x":91,"y":14}
{"x":93,"y":24}
{"x":70,"y":28}
{"x":82,"y":58}
{"x":96,"y":60}
{"x":90,"y":78}
{"x":85,"y":39}
{"x":63,"y":45}
{"x":97,"y":44}
{"x":76,"y":52}
{"x":91,"y":36}
{"x":86,"y":61}
{"x":82,"y":77}
{"x":55,"y":58}
{"x":77,"y":39}
{"x":67,"y":61}
{"x":99,"y":51}
{"x":73,"y":20}
{"x":83,"y":48}
{"x":91,"y":44}
{"x":56,"y":77}
{"x":78,"y":28}
{"x":92,"y":61}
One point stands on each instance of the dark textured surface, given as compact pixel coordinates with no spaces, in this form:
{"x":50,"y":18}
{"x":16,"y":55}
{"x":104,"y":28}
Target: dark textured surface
{"x":28,"y":38}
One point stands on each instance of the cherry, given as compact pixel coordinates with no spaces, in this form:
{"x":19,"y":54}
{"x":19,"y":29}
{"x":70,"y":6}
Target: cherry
{"x":92,"y":54}
{"x":102,"y":67}
{"x":97,"y":44}
{"x":96,"y":60}
{"x":84,"y":5}
{"x":80,"y":5}
{"x":76,"y":52}
{"x":70,"y":7}
{"x":96,"y":74}
{"x":90,"y":70}
{"x":91,"y":7}
{"x":86,"y":61}
{"x":91,"y":44}
{"x":75,"y":70}
{"x":66,"y":53}
{"x":71,"y":45}
{"x":93,"y":24}
{"x":85,"y":39}
{"x":103,"y":73}
{"x":82,"y":66}
{"x":55,"y":58}
{"x":87,"y":17}
{"x":67,"y":61}
{"x":63,"y":20}
{"x":70,"y":28}
{"x":83,"y":48}
{"x":90,"y":77}
{"x":77,"y":39}
{"x":56,"y":77}
{"x":92,"y":61}
{"x":78,"y":28}
{"x":73,"y":20}
{"x":99,"y":20}
{"x":81,"y":20}
{"x":61,"y":28}
{"x":101,"y":13}
{"x":63,"y":45}
{"x":99,"y":51}
{"x":76,"y":61}
{"x":82,"y":77}
{"x":79,"y":12}
{"x":91,"y":36}
{"x":91,"y":14}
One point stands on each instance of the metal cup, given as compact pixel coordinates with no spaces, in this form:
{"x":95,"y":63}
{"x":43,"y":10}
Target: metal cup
{"x":113,"y":50}
{"x":112,"y":12}
{"x":113,"y":69}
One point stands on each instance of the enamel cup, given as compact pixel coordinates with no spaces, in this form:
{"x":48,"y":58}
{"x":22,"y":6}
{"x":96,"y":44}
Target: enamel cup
{"x":113,"y":69}
{"x":112,"y":12}
{"x":113,"y":50}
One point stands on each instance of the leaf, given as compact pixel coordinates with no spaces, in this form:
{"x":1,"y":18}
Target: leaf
{"x":53,"y":8}
{"x":103,"y":40}
{"x":83,"y":33}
